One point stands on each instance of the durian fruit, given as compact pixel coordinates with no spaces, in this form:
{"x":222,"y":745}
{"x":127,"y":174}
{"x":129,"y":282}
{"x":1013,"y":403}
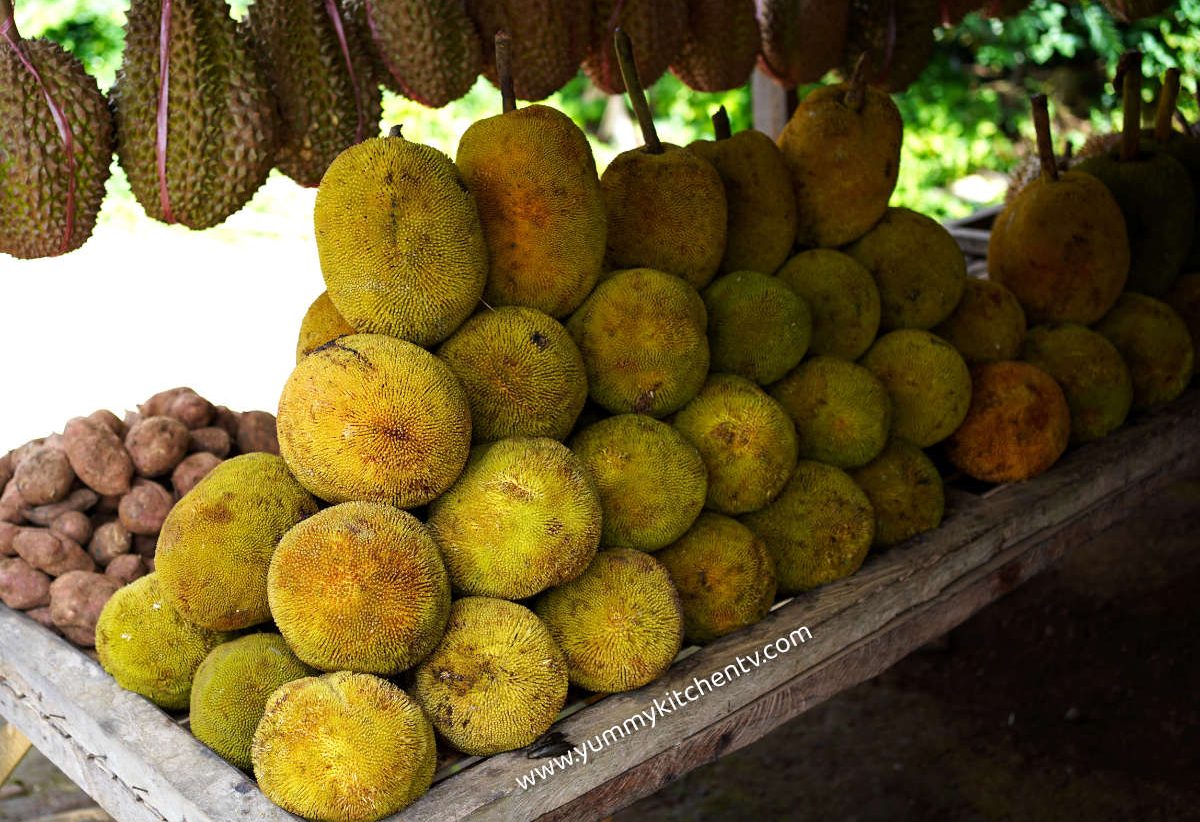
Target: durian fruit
{"x":534,"y":180}
{"x":549,"y":40}
{"x":428,"y":50}
{"x":56,"y":145}
{"x":652,"y":482}
{"x":801,"y":39}
{"x":522,"y":373}
{"x":1155,"y":344}
{"x":919,"y":268}
{"x":1091,"y":373}
{"x":1154,"y":193}
{"x":656,"y":27}
{"x":928,"y":381}
{"x":1017,"y":427}
{"x":359,"y":586}
{"x":896,"y":36}
{"x":760,"y":203}
{"x":905,"y":490}
{"x":322,"y":81}
{"x":842,"y":147}
{"x":321,"y":323}
{"x":841,"y":296}
{"x":1185,"y":299}
{"x":746,"y":440}
{"x":758,"y":328}
{"x":344,"y":746}
{"x":988,"y":324}
{"x":524,"y":515}
{"x":1061,"y":244}
{"x":721,"y":45}
{"x":665,"y":204}
{"x":399,"y":239}
{"x":619,"y":624}
{"x":148,"y":647}
{"x":215,"y":545}
{"x":818,"y":530}
{"x":497,"y":680}
{"x":724,"y":574}
{"x":841,"y":411}
{"x":1183,"y":146}
{"x":230,"y":691}
{"x":197,"y":127}
{"x":1126,"y":11}
{"x":642,"y":334}
{"x":375,"y":418}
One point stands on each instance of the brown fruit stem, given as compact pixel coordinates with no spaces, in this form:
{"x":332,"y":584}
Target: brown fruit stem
{"x":1166,"y":106}
{"x":396,"y":130}
{"x":637,"y":94}
{"x":504,"y":70}
{"x":858,"y":84}
{"x":1130,"y":71}
{"x":8,"y":22}
{"x":1041,"y":125}
{"x":721,"y":128}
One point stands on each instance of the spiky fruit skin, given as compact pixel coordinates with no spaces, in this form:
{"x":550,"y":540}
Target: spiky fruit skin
{"x":322,"y":81}
{"x":1185,"y":299}
{"x":721,"y":45}
{"x":1018,"y":426}
{"x":549,"y":41}
{"x":760,"y":204}
{"x":987,"y":325}
{"x":49,"y":194}
{"x":359,"y":587}
{"x":321,"y":323}
{"x":1158,"y":203}
{"x":524,"y":515}
{"x":842,"y":413}
{"x":497,"y":680}
{"x":818,"y":530}
{"x":724,"y":574}
{"x":928,"y":381}
{"x":343,"y":747}
{"x":905,"y":491}
{"x":522,"y":373}
{"x":1061,"y":247}
{"x":758,"y":328}
{"x":841,"y":296}
{"x":843,"y":162}
{"x":801,"y":39}
{"x":746,"y":440}
{"x":534,"y":180}
{"x":1186,"y":149}
{"x":1155,"y":344}
{"x":657,"y":29}
{"x":429,"y":50}
{"x":652,"y":482}
{"x":216,"y":543}
{"x":1091,"y":373}
{"x":148,"y":647}
{"x":619,"y":624}
{"x":897,"y":36}
{"x":917,"y":265}
{"x":374,"y":418}
{"x":230,"y":691}
{"x":642,"y":334}
{"x":399,"y":240}
{"x":665,"y":211}
{"x":221,"y":123}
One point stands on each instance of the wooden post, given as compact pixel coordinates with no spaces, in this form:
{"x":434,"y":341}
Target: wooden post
{"x":770,"y":104}
{"x":13,"y":747}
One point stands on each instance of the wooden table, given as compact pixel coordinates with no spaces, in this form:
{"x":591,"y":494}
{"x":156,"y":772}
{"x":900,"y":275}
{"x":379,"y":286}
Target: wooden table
{"x":140,"y":764}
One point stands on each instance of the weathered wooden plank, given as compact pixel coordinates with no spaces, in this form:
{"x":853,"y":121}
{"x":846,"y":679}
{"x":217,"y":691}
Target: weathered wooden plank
{"x":972,"y":241}
{"x":13,"y":747}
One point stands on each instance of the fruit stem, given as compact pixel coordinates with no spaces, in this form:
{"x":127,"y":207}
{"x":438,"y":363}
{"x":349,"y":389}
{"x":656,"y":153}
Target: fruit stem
{"x":858,"y":83}
{"x":1166,"y":106}
{"x":1130,"y":71}
{"x":503,"y":70}
{"x":637,"y":94}
{"x":1041,"y":125}
{"x":720,"y":120}
{"x":394,"y":131}
{"x":8,"y":22}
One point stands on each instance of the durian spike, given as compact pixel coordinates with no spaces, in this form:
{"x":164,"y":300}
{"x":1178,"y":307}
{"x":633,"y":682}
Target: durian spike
{"x":858,"y":83}
{"x":1129,"y":70}
{"x":1041,"y":125}
{"x":504,"y":70}
{"x":637,"y":94}
{"x":721,"y":128}
{"x":1166,"y":106}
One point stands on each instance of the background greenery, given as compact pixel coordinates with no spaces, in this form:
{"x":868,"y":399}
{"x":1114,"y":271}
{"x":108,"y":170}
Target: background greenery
{"x":966,"y":119}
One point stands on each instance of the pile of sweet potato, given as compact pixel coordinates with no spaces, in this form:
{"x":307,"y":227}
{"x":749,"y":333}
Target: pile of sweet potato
{"x":80,"y":511}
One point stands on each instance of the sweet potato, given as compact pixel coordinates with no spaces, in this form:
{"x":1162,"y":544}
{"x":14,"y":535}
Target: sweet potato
{"x":145,"y":507}
{"x":11,"y":504}
{"x":6,"y":469}
{"x":156,"y":445}
{"x":98,"y":456}
{"x":111,"y":540}
{"x":41,"y":616}
{"x":256,"y":432}
{"x":7,"y":532}
{"x":22,"y":586}
{"x":109,"y":420}
{"x":144,"y":545}
{"x":182,"y":404}
{"x":227,"y":419}
{"x":74,"y":525}
{"x":126,"y":568}
{"x":81,"y":499}
{"x":192,"y":470}
{"x":53,"y":555}
{"x":107,"y":505}
{"x":44,"y":475}
{"x":213,"y":440}
{"x":76,"y":599}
